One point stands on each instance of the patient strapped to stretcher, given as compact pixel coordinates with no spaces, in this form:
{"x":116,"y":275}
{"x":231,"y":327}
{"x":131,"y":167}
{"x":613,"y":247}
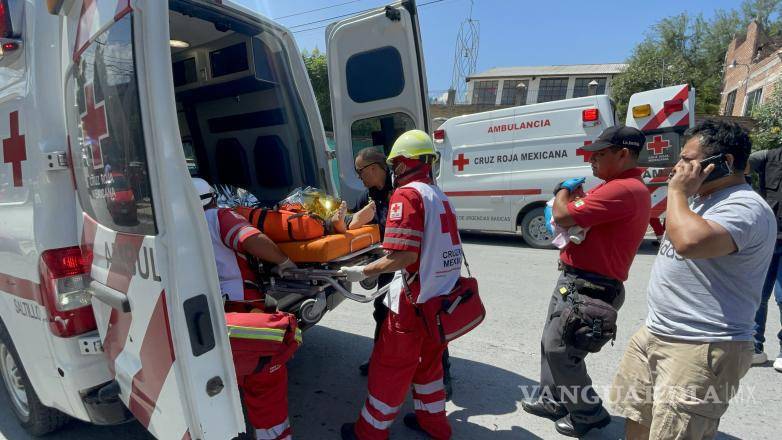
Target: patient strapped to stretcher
{"x":309,"y":227}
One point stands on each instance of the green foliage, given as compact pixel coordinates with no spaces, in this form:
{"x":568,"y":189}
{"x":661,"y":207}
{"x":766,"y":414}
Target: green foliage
{"x":690,"y":49}
{"x":768,"y":131}
{"x":317,"y":68}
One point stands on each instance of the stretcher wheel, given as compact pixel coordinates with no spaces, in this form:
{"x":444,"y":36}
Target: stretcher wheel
{"x":310,"y":313}
{"x":368,"y":283}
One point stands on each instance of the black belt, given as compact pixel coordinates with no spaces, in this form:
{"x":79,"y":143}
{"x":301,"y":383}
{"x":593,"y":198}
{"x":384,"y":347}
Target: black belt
{"x":602,"y":287}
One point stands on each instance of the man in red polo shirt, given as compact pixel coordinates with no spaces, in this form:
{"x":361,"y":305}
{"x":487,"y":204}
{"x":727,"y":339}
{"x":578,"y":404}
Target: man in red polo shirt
{"x":617,"y":215}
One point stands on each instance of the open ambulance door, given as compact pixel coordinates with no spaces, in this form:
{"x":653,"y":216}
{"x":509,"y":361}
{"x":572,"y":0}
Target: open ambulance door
{"x":152,"y":276}
{"x":377,"y":82}
{"x":662,"y":115}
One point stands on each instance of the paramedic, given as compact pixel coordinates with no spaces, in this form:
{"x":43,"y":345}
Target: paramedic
{"x":265,"y":394}
{"x":372,"y":207}
{"x":617,"y":215}
{"x":405,"y":354}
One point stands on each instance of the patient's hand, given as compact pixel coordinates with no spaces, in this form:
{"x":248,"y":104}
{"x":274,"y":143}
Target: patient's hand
{"x":338,"y":219}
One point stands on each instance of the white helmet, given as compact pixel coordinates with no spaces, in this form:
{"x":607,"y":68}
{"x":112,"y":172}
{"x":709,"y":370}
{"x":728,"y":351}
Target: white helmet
{"x":204,"y":190}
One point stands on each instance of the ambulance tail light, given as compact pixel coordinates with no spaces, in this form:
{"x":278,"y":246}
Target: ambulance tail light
{"x":439,"y":135}
{"x":590,"y":115}
{"x":642,"y":111}
{"x":674,"y":105}
{"x":65,"y":277}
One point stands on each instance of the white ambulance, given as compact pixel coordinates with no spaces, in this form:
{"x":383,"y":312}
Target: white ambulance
{"x":499,"y":167}
{"x":109,"y":298}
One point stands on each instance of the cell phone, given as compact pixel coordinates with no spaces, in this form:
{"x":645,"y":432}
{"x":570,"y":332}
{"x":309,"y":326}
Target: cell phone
{"x":721,"y":168}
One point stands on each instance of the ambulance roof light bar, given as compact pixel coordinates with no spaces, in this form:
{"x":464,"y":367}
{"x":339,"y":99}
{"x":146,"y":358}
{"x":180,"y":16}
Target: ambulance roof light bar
{"x":642,"y":111}
{"x":590,"y":115}
{"x":439,"y":135}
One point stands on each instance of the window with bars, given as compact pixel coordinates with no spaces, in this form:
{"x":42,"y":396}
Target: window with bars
{"x":730,"y":102}
{"x":753,"y":99}
{"x":514,"y":92}
{"x":552,"y":89}
{"x":582,"y":87}
{"x":484,"y":92}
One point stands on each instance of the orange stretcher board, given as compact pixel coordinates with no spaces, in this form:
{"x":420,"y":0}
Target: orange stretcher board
{"x":331,"y":247}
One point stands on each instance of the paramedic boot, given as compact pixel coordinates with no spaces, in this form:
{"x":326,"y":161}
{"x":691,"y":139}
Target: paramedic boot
{"x":412,"y":422}
{"x":348,"y":431}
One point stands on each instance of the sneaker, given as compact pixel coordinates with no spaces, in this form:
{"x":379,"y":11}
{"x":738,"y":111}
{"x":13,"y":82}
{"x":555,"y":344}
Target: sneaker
{"x":778,"y":363}
{"x":759,"y":358}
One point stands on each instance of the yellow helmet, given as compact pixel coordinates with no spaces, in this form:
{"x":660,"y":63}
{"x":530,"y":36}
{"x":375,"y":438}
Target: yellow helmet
{"x":412,"y":145}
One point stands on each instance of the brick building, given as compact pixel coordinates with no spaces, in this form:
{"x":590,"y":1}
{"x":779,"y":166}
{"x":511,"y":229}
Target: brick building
{"x":753,"y":65}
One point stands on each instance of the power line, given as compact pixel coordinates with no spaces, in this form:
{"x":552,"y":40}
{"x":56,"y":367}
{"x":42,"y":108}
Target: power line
{"x":316,"y":10}
{"x":343,"y":16}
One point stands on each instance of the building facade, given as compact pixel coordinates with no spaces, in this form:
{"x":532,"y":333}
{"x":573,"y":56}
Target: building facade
{"x":753,"y":65}
{"x":508,"y":86}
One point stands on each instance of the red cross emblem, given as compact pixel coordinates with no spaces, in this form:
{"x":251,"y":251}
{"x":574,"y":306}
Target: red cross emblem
{"x":448,"y":223}
{"x":395,"y":213}
{"x":658,"y":145}
{"x":14,"y":151}
{"x":94,"y":125}
{"x":587,"y":154}
{"x":461,"y":161}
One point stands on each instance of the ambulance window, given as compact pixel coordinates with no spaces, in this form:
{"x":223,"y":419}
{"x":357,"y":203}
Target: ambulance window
{"x":379,"y":131}
{"x":107,"y":141}
{"x":375,"y":74}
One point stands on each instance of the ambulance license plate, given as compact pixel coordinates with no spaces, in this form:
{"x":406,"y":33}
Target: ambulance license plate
{"x":90,"y":345}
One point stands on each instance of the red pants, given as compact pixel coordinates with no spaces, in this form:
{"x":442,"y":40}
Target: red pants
{"x":266,"y":399}
{"x":657,"y":227}
{"x":404,"y":355}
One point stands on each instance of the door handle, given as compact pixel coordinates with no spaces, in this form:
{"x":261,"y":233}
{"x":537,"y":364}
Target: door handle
{"x":112,"y":298}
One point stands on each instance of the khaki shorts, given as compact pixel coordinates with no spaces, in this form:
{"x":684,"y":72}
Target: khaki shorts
{"x":678,"y":389}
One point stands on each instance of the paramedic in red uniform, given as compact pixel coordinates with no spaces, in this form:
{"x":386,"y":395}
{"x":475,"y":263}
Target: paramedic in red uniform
{"x":265,"y":394}
{"x":421,"y":237}
{"x":617,"y":215}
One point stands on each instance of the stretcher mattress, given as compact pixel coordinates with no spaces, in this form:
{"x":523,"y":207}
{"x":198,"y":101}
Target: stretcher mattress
{"x":330,"y":247}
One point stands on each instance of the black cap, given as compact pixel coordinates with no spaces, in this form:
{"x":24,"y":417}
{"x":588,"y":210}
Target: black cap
{"x":619,"y":136}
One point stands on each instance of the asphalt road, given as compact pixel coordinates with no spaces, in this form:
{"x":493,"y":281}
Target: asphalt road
{"x":493,"y":367}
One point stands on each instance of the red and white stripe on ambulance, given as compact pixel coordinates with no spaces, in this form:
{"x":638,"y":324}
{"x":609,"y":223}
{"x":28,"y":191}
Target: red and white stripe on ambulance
{"x":662,"y":115}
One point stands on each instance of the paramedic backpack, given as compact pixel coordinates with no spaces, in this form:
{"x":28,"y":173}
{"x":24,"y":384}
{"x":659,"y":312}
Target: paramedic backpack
{"x":260,"y":341}
{"x":283,"y":225}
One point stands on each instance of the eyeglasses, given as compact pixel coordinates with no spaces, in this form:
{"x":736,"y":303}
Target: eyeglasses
{"x":361,"y":170}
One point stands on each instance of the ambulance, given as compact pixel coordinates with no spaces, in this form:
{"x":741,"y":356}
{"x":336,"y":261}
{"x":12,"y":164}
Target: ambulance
{"x":499,"y":167}
{"x":110,"y":306}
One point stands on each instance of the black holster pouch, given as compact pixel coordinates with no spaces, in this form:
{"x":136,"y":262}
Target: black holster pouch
{"x":589,"y":317}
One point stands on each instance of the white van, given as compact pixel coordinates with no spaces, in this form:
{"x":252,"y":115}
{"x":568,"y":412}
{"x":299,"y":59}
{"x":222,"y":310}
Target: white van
{"x":499,"y":167}
{"x":109,"y":298}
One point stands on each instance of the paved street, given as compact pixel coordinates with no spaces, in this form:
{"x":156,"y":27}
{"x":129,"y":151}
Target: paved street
{"x":493,"y":366}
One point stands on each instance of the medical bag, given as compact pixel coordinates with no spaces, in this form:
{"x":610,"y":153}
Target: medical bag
{"x":261,"y":341}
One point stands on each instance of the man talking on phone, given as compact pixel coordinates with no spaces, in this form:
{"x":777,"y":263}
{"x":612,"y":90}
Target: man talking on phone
{"x":684,"y":365}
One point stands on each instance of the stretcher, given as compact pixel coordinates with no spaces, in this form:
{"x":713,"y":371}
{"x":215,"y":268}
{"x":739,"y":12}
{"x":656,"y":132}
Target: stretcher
{"x":316,"y":286}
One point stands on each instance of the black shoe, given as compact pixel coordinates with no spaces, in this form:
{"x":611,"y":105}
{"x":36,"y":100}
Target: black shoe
{"x":566,"y":426}
{"x":448,"y":384}
{"x":411,"y":421}
{"x":348,"y":431}
{"x":537,"y":407}
{"x":363,"y":369}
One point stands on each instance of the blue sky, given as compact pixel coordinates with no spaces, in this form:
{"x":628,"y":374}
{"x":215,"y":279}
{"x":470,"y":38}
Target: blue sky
{"x":513,"y":32}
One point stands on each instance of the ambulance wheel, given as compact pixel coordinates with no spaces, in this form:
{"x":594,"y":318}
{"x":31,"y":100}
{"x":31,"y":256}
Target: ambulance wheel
{"x":34,"y":417}
{"x":533,"y":230}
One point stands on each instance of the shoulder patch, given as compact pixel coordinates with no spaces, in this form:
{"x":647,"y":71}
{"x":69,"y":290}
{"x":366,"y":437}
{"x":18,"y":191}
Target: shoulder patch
{"x":578,"y":203}
{"x":395,"y":211}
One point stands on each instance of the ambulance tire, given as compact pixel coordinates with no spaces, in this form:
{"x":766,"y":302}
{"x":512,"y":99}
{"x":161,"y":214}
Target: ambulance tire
{"x":40,"y":419}
{"x":533,"y":230}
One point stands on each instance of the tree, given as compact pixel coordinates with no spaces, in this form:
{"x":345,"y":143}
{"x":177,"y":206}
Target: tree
{"x":767,"y":133}
{"x":686,"y":49}
{"x":317,"y":68}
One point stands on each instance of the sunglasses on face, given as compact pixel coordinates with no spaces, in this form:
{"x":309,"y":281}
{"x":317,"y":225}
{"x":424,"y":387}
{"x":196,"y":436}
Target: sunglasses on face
{"x":361,"y":170}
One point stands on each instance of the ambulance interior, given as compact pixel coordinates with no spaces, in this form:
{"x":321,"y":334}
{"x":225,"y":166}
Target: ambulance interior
{"x":241,"y":119}
{"x":243,"y":125}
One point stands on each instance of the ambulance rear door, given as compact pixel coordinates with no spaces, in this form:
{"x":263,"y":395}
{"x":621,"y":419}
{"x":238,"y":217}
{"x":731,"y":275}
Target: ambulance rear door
{"x":662,"y":115}
{"x":378,"y":83}
{"x":153,"y":280}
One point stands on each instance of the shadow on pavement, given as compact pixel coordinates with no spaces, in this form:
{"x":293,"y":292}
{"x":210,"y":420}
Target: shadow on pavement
{"x":323,"y":395}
